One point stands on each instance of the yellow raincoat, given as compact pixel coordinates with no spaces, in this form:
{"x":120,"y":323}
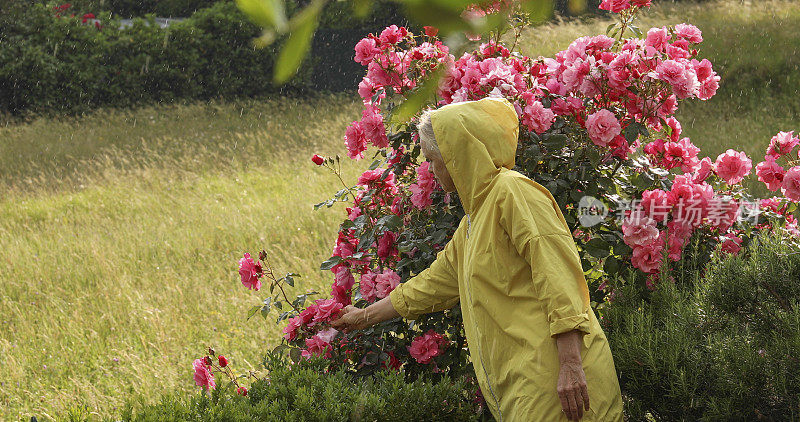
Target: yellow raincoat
{"x":516,"y":273}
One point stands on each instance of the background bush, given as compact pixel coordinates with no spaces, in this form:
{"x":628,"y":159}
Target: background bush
{"x":64,"y":65}
{"x":725,"y":347}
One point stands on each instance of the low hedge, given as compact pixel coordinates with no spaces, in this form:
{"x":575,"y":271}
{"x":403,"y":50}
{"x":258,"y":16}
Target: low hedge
{"x":303,"y":393}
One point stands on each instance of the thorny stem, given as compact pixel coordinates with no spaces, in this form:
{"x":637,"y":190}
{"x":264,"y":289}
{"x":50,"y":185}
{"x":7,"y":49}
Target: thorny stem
{"x":271,"y":275}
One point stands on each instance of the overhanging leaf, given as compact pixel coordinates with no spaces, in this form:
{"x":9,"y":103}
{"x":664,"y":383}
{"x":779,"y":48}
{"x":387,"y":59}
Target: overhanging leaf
{"x":301,"y":30}
{"x":538,"y":10}
{"x":267,"y":13}
{"x":419,"y":96}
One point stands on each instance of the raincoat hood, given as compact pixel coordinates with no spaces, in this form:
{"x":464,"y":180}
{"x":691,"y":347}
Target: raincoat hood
{"x":476,"y":139}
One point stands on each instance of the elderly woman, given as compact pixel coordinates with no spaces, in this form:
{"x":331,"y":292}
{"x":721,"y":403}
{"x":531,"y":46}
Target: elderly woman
{"x":538,"y":350}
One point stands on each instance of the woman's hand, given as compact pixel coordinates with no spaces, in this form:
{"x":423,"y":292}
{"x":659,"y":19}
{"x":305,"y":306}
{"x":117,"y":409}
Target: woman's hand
{"x":351,"y":318}
{"x":571,"y":387}
{"x":572,"y":390}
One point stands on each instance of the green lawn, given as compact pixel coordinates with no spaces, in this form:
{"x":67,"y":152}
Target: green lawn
{"x":121,"y":230}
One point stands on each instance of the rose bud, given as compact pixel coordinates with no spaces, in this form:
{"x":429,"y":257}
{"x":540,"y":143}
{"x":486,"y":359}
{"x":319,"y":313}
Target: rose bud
{"x":207,"y":361}
{"x":431,"y":31}
{"x":223,"y":361}
{"x":211,"y":351}
{"x":317,"y":160}
{"x":241,"y":391}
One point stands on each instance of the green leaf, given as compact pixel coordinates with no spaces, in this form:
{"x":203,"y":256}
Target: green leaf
{"x":421,"y":95}
{"x":539,"y":10}
{"x":597,"y":248}
{"x":375,"y":164}
{"x":294,"y":354}
{"x":330,"y":263}
{"x":267,"y":13}
{"x":390,"y":222}
{"x":301,"y":30}
{"x":361,"y":8}
{"x":631,"y":131}
{"x":610,"y":27}
{"x":253,"y":311}
{"x":290,"y":280}
{"x":636,"y":30}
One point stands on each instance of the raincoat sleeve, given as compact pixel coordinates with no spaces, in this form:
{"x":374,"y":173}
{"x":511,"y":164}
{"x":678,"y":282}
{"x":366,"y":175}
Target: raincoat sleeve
{"x":536,"y":228}
{"x":434,"y":289}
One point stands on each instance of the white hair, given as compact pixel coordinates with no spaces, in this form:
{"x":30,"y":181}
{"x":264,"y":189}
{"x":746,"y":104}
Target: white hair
{"x":427,"y":138}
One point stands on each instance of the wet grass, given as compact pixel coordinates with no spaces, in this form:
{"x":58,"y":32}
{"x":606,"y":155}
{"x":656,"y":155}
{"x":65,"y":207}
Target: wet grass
{"x":120,"y":230}
{"x":115,"y":277}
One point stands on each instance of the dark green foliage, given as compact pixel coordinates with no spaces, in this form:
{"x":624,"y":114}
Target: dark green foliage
{"x":725,"y":347}
{"x":304,"y":392}
{"x":63,"y":65}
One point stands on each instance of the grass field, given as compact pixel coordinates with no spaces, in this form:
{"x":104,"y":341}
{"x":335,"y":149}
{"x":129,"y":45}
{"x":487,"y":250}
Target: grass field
{"x":120,"y":230}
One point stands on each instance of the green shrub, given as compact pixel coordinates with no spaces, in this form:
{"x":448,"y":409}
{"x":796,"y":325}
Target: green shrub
{"x":723,"y":348}
{"x":304,"y":392}
{"x":60,"y":64}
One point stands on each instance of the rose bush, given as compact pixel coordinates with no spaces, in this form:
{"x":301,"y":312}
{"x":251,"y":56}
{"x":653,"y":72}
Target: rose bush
{"x":597,"y":126}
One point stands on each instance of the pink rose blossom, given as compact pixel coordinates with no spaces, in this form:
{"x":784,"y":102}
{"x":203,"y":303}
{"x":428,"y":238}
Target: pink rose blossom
{"x":537,"y":118}
{"x":202,"y":375}
{"x":385,"y":282}
{"x":326,"y":309}
{"x":688,"y":32}
{"x":290,"y":330}
{"x":355,"y":140}
{"x":327,"y":336}
{"x":366,"y":50}
{"x":732,"y":166}
{"x":770,"y":172}
{"x":248,"y":271}
{"x":615,"y":6}
{"x":731,"y":244}
{"x":341,"y":294}
{"x":639,"y":230}
{"x":648,"y":257}
{"x":602,"y":126}
{"x":782,"y":144}
{"x":367,"y":286}
{"x":344,"y":277}
{"x":315,"y":346}
{"x":392,"y":34}
{"x":791,"y":184}
{"x":657,"y":38}
{"x":703,"y":170}
{"x":655,"y":204}
{"x":427,"y":346}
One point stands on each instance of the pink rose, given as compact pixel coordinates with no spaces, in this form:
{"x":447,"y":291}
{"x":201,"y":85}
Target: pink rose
{"x":791,"y":184}
{"x":315,"y":346}
{"x":657,"y":38}
{"x":770,"y":172}
{"x":202,"y":375}
{"x":537,"y":118}
{"x":341,"y":294}
{"x":385,"y":282}
{"x":326,"y":309}
{"x":639,"y":230}
{"x":688,"y":32}
{"x":248,"y":271}
{"x":602,"y":126}
{"x":648,"y":257}
{"x":367,"y":286}
{"x":392,"y":34}
{"x":782,"y":144}
{"x":344,"y":277}
{"x":427,"y":346}
{"x":655,"y":204}
{"x":290,"y":330}
{"x":355,"y":140}
{"x":386,"y":245}
{"x":374,"y":129}
{"x":615,"y":6}
{"x":703,"y":170}
{"x":731,"y":244}
{"x":326,"y":336}
{"x":732,"y":166}
{"x":366,"y":50}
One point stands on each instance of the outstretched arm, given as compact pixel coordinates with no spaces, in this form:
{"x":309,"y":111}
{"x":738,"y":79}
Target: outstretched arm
{"x":353,"y":318}
{"x":434,"y":289}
